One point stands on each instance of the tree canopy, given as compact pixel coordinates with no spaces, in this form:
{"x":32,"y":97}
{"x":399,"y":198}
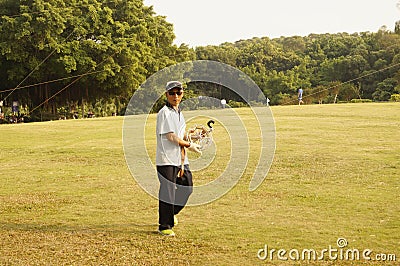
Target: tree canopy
{"x":81,"y":50}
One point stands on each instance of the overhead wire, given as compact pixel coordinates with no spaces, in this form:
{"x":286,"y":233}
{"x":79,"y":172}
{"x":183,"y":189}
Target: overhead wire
{"x":346,"y":82}
{"x":70,"y":84}
{"x":62,"y":79}
{"x":37,"y":67}
{"x":11,"y":91}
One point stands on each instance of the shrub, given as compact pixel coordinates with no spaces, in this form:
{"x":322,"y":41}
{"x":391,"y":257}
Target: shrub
{"x":234,"y":104}
{"x":361,"y":100}
{"x":395,"y":98}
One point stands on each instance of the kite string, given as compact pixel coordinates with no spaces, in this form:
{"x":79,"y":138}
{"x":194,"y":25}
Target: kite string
{"x":346,"y":82}
{"x":37,"y":67}
{"x":61,"y":79}
{"x":70,"y":84}
{"x":52,"y":52}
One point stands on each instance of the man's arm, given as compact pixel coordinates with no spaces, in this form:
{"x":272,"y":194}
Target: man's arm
{"x":183,"y":143}
{"x":178,"y":141}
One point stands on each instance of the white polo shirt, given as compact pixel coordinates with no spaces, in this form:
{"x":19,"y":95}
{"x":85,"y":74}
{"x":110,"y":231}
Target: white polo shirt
{"x":169,"y":120}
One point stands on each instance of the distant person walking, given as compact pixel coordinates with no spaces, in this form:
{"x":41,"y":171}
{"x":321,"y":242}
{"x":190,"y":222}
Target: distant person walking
{"x":300,"y":96}
{"x":223,"y":103}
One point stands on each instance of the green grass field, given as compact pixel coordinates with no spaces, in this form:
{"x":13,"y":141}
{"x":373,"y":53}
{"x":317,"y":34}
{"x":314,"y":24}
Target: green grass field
{"x":67,"y":196}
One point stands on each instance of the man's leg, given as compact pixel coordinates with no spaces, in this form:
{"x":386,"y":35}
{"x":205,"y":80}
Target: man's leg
{"x":167,"y":177}
{"x":184,"y":190}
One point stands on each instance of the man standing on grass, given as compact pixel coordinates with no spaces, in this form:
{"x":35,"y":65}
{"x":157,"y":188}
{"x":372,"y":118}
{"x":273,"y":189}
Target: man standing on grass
{"x":172,"y":163}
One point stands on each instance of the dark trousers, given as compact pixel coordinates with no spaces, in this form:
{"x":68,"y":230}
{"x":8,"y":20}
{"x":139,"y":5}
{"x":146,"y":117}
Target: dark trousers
{"x":174,"y":193}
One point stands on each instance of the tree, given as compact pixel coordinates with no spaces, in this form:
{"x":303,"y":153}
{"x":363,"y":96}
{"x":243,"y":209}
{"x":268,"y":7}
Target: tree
{"x":385,"y":90}
{"x":348,"y":92}
{"x":319,"y":93}
{"x":97,"y":48}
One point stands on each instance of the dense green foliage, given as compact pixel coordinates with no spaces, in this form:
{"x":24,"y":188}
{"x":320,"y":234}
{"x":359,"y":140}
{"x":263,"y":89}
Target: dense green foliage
{"x":327,"y":67}
{"x":101,"y":50}
{"x":63,"y":56}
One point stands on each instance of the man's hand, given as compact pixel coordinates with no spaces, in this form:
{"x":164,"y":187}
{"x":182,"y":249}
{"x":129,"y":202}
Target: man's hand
{"x":195,"y":148}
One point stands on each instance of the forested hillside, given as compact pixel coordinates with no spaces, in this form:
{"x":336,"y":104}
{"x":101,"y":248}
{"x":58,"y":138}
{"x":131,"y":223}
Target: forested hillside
{"x":326,"y":66}
{"x":60,"y":57}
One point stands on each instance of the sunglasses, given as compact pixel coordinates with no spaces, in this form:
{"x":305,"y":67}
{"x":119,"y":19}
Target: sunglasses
{"x":171,"y":93}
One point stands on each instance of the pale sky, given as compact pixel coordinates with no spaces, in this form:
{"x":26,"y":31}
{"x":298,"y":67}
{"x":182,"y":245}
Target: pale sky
{"x":212,"y":22}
